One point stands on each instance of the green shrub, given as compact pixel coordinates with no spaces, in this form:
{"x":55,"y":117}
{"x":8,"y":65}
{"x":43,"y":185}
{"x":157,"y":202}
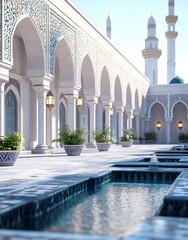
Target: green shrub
{"x":150,"y":136}
{"x":11,"y":142}
{"x":103,"y":136}
{"x":76,"y":137}
{"x":183,"y":137}
{"x":128,"y":135}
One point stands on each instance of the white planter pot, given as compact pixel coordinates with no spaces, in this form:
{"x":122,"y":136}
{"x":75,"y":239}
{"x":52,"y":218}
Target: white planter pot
{"x":73,"y":150}
{"x":103,"y":146}
{"x":126,"y":143}
{"x":8,"y":158}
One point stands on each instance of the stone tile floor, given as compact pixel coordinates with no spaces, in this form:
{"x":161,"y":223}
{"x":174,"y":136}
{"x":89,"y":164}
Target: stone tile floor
{"x":35,"y":175}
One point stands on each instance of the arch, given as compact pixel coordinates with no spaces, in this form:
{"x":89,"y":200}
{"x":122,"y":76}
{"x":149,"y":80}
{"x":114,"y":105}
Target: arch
{"x":128,"y":98}
{"x":87,"y":77}
{"x":173,"y":106}
{"x":158,"y":114}
{"x":149,"y":110}
{"x":61,"y":115}
{"x":137,"y":106}
{"x":65,"y":62}
{"x":27,"y":31}
{"x":105,"y":85}
{"x":11,"y":108}
{"x":179,"y":114}
{"x":118,"y":93}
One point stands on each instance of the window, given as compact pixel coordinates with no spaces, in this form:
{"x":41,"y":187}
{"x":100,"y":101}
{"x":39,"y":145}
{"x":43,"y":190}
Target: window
{"x":11,"y":112}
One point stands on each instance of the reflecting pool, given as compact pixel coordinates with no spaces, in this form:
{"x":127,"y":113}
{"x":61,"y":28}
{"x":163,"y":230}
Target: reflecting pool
{"x":112,"y":210}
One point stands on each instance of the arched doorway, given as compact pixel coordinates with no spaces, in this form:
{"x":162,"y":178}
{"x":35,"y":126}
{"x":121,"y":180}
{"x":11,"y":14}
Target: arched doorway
{"x":61,"y":118}
{"x":179,"y":114}
{"x":158,"y":115}
{"x":11,"y":112}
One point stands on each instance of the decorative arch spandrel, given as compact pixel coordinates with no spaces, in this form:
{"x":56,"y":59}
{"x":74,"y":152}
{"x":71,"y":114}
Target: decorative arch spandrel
{"x":59,"y":28}
{"x":152,"y":99}
{"x":174,"y":99}
{"x":13,"y":10}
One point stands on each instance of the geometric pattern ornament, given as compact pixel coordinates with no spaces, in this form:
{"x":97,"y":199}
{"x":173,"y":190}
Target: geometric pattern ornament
{"x":14,"y":82}
{"x":1,"y":22}
{"x":162,"y":99}
{"x":176,"y":98}
{"x":73,"y":150}
{"x":8,"y":158}
{"x":13,"y":10}
{"x":60,"y":28}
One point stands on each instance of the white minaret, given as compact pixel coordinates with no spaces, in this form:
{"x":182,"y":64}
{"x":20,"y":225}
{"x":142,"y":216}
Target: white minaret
{"x":151,"y":53}
{"x":171,"y":35}
{"x":108,"y":26}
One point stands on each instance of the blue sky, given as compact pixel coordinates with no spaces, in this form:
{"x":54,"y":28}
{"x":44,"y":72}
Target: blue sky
{"x":129,"y":29}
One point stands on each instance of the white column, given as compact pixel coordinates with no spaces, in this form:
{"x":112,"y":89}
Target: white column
{"x":142,"y":130}
{"x":168,"y":123}
{"x":137,"y":126}
{"x":2,"y":108}
{"x":92,"y":121}
{"x":71,"y":111}
{"x":147,"y":121}
{"x":120,"y":123}
{"x":41,"y":105}
{"x":129,"y":120}
{"x":107,"y":116}
{"x":4,"y":77}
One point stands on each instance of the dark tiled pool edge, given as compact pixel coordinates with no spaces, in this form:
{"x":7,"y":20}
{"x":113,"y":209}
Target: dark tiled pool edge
{"x":172,"y":201}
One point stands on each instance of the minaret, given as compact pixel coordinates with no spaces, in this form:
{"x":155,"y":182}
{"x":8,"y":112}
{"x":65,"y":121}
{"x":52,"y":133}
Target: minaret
{"x":108,"y":26}
{"x":171,"y":35}
{"x":151,"y":53}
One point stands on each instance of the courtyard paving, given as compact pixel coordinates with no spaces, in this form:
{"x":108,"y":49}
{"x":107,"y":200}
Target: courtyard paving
{"x":34,"y":176}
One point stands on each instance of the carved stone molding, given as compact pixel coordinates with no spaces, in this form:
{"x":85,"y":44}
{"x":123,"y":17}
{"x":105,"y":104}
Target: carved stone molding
{"x":176,"y":98}
{"x":152,"y":99}
{"x":13,"y":10}
{"x":59,"y":28}
{"x":14,"y":82}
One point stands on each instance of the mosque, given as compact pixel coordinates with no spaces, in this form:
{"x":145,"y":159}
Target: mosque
{"x":56,"y":67}
{"x":165,"y":104}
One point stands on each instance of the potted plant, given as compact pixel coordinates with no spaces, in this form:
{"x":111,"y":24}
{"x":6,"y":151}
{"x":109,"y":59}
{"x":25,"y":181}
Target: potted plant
{"x":150,"y":137}
{"x":127,"y":138}
{"x":183,"y":138}
{"x":10,"y":147}
{"x":73,"y":140}
{"x":141,"y":140}
{"x":103,"y":139}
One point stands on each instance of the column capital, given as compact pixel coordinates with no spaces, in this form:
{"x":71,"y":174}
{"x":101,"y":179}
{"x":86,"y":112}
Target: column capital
{"x":168,"y":119}
{"x":41,"y":82}
{"x":119,"y":109}
{"x":70,"y":97}
{"x":4,"y":71}
{"x":70,"y":91}
{"x":92,"y":98}
{"x":147,"y":119}
{"x":136,"y":113}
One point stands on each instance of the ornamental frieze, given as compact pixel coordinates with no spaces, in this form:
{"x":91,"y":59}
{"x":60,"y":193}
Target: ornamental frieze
{"x":1,"y":30}
{"x":13,"y":82}
{"x":86,"y":45}
{"x":60,"y":28}
{"x":162,"y":99}
{"x":13,"y":10}
{"x":176,"y":98}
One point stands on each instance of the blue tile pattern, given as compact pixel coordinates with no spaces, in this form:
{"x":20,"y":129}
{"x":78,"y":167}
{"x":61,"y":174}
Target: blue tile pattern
{"x":37,"y":183}
{"x":13,"y":10}
{"x":1,"y":22}
{"x":60,"y":28}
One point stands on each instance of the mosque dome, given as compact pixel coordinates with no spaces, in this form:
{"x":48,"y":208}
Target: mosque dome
{"x":151,"y":21}
{"x":176,"y":80}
